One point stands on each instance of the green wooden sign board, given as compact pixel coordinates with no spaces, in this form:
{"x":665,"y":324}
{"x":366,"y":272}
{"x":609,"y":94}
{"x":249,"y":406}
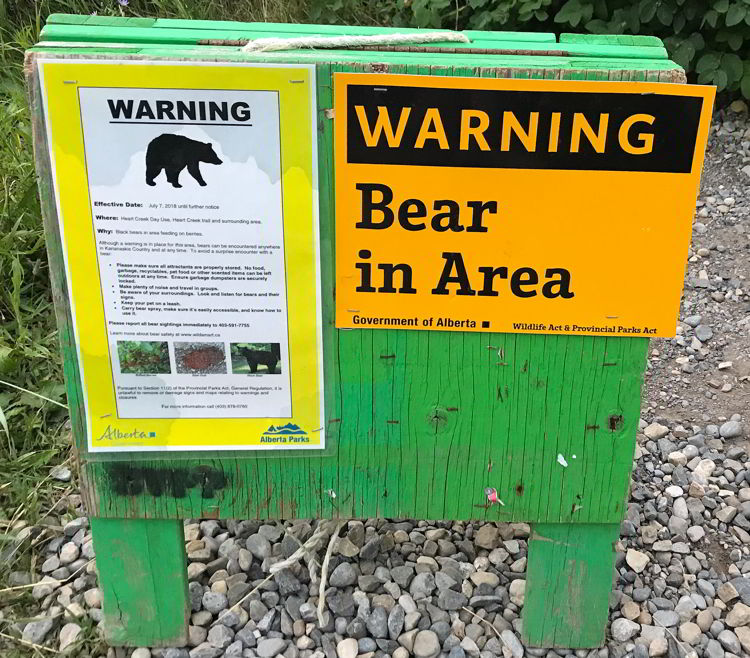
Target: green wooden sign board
{"x":418,"y":424}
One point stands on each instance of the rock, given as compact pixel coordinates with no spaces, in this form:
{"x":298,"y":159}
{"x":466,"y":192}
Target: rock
{"x":729,"y":641}
{"x":422,"y":585}
{"x":377,"y":622}
{"x":396,"y":620}
{"x":270,"y":647}
{"x":69,"y":553}
{"x":731,"y":429}
{"x":449,"y":599}
{"x":343,"y":575}
{"x":658,"y":647}
{"x":35,"y":631}
{"x":666,"y":618}
{"x":743,"y":635}
{"x":513,"y":643}
{"x":727,"y":592}
{"x":689,"y":633}
{"x":623,"y":629}
{"x":205,"y":650}
{"x":220,"y":636}
{"x":93,"y":597}
{"x":426,"y":644}
{"x":347,"y":648}
{"x":68,"y":637}
{"x":739,"y":615}
{"x":141,"y":652}
{"x":713,"y":650}
{"x":703,"y":333}
{"x":487,"y":536}
{"x":259,"y":546}
{"x":655,"y":431}
{"x":517,"y":592}
{"x":636,"y":560}
{"x":214,"y":602}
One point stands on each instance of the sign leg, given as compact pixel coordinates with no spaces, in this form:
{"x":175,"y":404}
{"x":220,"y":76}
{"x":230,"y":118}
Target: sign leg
{"x":143,"y":578}
{"x":569,"y":579}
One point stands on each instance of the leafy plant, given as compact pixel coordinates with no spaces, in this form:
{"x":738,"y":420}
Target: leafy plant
{"x":709,"y":39}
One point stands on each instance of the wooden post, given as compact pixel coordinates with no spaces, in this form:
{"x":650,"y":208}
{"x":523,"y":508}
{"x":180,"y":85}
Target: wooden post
{"x":568,"y":581}
{"x":143,"y":578}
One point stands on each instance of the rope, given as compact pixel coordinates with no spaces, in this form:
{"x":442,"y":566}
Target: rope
{"x":353,"y":41}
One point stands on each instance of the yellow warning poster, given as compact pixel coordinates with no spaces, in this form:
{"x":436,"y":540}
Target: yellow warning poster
{"x":534,"y":206}
{"x":187,"y":204}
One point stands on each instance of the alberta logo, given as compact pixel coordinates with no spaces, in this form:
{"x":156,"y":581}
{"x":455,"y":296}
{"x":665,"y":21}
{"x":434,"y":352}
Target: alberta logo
{"x":111,"y":434}
{"x":289,"y":433}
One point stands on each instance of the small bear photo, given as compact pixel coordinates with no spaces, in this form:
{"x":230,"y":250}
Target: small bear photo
{"x":173,"y":153}
{"x":256,"y":358}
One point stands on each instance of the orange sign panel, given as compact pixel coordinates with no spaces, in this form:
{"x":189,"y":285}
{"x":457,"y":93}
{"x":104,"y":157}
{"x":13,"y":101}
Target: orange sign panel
{"x":534,"y":206}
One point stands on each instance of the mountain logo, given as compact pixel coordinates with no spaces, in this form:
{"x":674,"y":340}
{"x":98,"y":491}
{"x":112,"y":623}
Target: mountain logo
{"x":288,"y":429}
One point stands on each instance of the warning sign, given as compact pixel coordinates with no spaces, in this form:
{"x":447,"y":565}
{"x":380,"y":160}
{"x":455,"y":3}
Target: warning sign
{"x":549,"y":206}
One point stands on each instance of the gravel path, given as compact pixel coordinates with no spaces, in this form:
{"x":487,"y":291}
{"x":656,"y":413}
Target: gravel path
{"x":423,"y":589}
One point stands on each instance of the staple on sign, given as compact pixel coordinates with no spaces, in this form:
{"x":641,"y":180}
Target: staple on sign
{"x":318,"y":429}
{"x":561,"y":461}
{"x":329,"y":113}
{"x":331,"y":493}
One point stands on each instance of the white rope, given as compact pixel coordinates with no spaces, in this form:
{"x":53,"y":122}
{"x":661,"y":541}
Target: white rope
{"x":353,"y":41}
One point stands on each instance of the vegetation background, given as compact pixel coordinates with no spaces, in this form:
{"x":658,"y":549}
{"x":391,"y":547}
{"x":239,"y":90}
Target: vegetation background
{"x":710,"y":38}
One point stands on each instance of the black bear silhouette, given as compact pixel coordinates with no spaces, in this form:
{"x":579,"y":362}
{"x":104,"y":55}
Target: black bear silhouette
{"x":262,"y":357}
{"x":175,"y":152}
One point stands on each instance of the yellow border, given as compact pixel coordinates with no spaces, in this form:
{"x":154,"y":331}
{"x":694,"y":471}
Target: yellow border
{"x":60,"y":81}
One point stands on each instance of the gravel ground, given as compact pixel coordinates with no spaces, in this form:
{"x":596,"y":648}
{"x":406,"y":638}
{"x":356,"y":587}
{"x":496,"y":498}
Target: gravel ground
{"x":422,"y":588}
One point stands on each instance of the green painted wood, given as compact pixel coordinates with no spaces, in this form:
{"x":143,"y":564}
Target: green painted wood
{"x":373,"y":58}
{"x":192,"y":36}
{"x":568,"y":580}
{"x":143,"y":578}
{"x":615,"y":39}
{"x":418,"y":422}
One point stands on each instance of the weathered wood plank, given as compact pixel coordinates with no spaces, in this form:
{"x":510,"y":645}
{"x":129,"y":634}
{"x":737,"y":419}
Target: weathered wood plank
{"x":569,"y":578}
{"x":143,"y":578}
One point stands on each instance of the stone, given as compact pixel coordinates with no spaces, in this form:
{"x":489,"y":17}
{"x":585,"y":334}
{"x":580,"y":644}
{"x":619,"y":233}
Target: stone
{"x":517,"y":592}
{"x":422,"y":585}
{"x":68,"y":637}
{"x":93,"y":597}
{"x":703,"y":333}
{"x":739,"y":615}
{"x":513,"y":643}
{"x":377,"y":622}
{"x":658,"y":647}
{"x":449,"y":599}
{"x":426,"y":644}
{"x":727,"y":592}
{"x":487,"y":536}
{"x":731,"y":429}
{"x":713,"y":650}
{"x":259,"y":546}
{"x":689,"y":633}
{"x":220,"y":636}
{"x":270,"y":647}
{"x":205,"y":650}
{"x":35,"y":631}
{"x":343,"y":575}
{"x":729,"y":641}
{"x":743,"y":635}
{"x":141,"y":652}
{"x":655,"y":431}
{"x":666,"y":618}
{"x":636,"y":560}
{"x":623,"y":629}
{"x":214,"y":602}
{"x":347,"y":648}
{"x":69,"y":553}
